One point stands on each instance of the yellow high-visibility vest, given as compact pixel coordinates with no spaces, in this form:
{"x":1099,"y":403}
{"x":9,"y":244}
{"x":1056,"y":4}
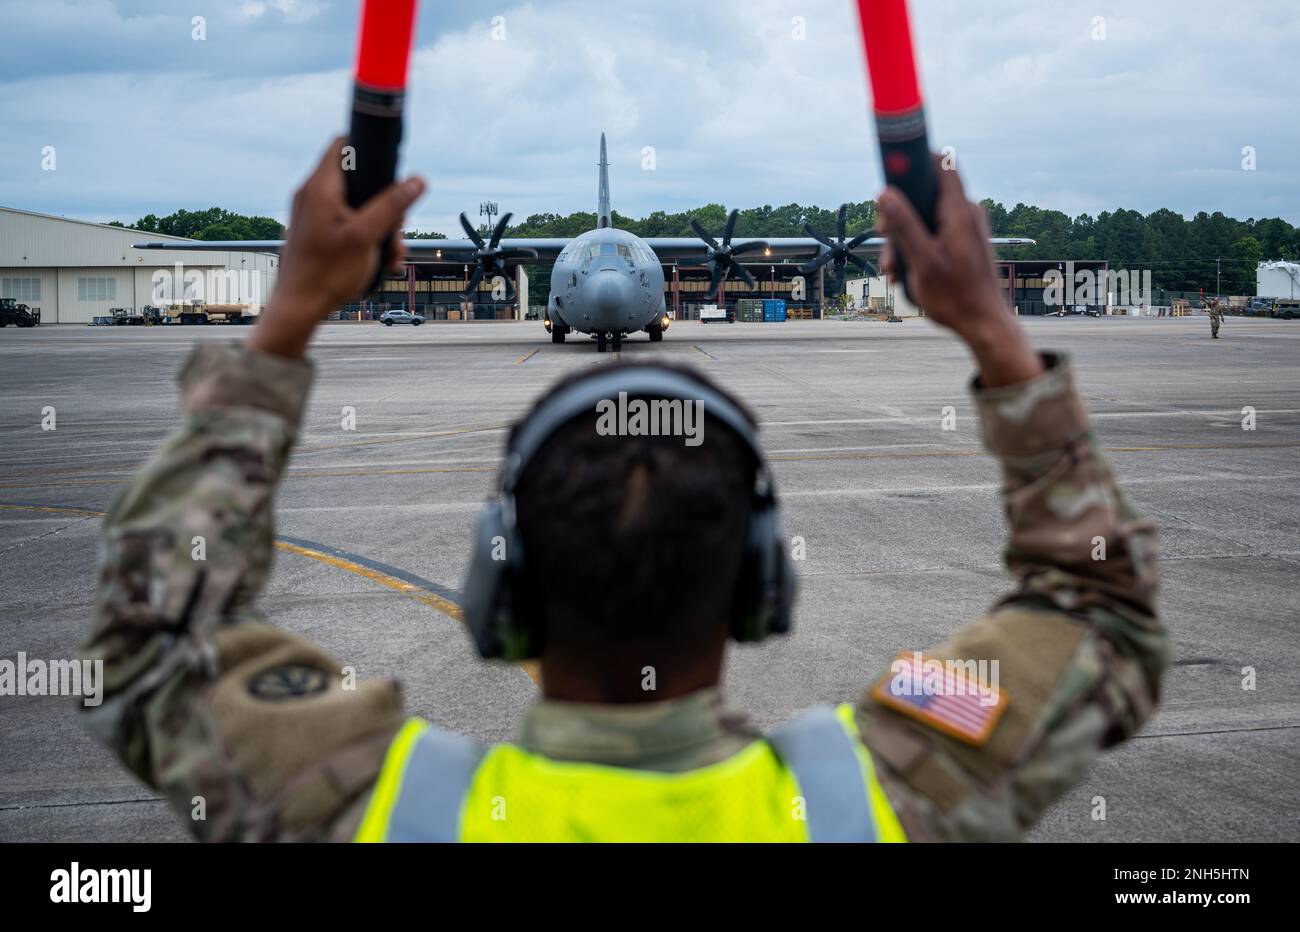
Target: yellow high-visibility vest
{"x":810,"y":780}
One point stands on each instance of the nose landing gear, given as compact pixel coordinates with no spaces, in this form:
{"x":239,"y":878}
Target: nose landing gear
{"x":608,"y":340}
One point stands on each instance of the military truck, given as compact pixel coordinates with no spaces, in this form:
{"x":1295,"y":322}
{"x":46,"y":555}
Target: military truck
{"x":199,"y":313}
{"x":20,"y":315}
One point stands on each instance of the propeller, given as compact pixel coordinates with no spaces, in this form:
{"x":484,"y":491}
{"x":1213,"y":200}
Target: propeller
{"x":721,"y":256}
{"x":839,"y":251}
{"x":491,"y":258}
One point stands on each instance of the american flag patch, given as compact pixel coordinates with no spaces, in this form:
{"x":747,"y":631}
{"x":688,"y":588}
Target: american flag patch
{"x":958,"y":698}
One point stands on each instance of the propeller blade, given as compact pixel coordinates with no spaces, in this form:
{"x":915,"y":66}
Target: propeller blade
{"x":470,"y":231}
{"x":475,"y":277}
{"x":837,"y":286}
{"x":844,"y":210}
{"x":498,"y":269}
{"x":807,"y":228}
{"x":741,"y":248}
{"x":703,"y":234}
{"x":749,"y":279}
{"x":863,"y":264}
{"x":499,"y":229}
{"x":815,"y":264}
{"x":716,"y":279}
{"x":731,"y":225}
{"x":860,"y":239}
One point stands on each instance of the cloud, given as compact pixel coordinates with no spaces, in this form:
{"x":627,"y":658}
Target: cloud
{"x":293,"y":11}
{"x":737,"y":109}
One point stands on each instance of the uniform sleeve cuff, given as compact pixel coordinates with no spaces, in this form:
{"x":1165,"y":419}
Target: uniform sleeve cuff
{"x":232,"y":376}
{"x":1032,"y":417}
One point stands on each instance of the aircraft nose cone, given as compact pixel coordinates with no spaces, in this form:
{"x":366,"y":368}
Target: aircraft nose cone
{"x":610,"y":294}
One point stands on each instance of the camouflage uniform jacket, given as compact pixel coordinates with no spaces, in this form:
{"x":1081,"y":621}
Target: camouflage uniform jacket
{"x":188,"y":659}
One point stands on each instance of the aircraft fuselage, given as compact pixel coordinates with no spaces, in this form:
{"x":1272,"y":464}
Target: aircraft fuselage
{"x":607,"y":281}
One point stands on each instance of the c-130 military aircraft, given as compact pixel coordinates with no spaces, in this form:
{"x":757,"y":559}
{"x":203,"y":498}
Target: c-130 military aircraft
{"x":608,"y":282}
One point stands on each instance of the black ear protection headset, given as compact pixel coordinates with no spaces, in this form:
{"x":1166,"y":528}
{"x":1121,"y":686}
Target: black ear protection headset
{"x":765,"y":588}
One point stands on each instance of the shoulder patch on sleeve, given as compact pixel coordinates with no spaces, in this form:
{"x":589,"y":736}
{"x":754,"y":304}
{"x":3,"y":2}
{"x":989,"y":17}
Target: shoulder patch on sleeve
{"x":960,"y":698}
{"x":289,"y":681}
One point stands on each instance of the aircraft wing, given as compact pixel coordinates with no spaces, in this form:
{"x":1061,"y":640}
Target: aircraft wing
{"x":691,"y":250}
{"x":427,"y":250}
{"x":687,"y":250}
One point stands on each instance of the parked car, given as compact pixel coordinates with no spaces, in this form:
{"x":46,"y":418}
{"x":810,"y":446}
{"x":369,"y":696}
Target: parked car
{"x":388,"y":318}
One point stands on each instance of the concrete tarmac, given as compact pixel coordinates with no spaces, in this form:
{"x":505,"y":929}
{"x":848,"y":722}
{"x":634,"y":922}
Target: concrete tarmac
{"x":901,"y":521}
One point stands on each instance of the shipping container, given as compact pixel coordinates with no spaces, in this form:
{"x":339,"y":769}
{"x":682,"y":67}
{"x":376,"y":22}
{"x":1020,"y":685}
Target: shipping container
{"x":749,"y":310}
{"x":773,"y":310}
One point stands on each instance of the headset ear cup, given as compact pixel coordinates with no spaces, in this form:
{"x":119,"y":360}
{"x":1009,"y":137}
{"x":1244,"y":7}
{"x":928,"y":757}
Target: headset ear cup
{"x":744,"y":604}
{"x":785,"y":587}
{"x":765,"y":591}
{"x":489,"y":588}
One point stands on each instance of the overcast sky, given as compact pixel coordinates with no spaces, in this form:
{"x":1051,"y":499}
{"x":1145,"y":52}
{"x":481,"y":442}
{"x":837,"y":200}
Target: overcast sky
{"x":738,"y":109}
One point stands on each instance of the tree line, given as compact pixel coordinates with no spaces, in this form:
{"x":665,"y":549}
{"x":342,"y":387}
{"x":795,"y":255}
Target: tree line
{"x":213,"y":223}
{"x":1208,"y":251}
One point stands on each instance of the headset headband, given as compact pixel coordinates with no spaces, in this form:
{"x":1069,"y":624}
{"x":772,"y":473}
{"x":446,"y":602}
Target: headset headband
{"x":636,"y":381}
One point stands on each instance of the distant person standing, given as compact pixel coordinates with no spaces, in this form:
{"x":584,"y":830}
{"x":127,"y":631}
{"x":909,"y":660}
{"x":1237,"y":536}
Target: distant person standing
{"x":1215,"y":311}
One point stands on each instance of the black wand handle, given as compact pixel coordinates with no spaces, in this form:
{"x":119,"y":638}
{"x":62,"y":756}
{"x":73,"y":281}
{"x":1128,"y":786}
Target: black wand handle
{"x":905,"y":155}
{"x":375,"y":135}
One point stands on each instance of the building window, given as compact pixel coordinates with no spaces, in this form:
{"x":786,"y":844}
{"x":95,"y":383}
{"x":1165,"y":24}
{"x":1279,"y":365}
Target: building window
{"x":97,"y":289}
{"x":21,"y":289}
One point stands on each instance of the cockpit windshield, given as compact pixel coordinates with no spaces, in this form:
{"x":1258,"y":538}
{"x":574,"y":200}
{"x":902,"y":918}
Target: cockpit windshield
{"x":607,"y":249}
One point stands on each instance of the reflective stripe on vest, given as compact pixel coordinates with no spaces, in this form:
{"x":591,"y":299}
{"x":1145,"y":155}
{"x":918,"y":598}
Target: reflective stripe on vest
{"x":825,"y":764}
{"x":418,"y":795}
{"x":814,"y":764}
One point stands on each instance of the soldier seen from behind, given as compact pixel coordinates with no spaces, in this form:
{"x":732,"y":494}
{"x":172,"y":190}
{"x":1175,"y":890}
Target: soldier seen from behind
{"x":681,"y":551}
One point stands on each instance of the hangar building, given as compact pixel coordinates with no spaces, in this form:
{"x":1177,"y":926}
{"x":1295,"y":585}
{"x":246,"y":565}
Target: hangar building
{"x":73,"y":270}
{"x":1277,"y":280}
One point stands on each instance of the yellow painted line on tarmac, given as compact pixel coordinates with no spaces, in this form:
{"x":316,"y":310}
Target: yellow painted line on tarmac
{"x":446,"y":606}
{"x":54,"y":509}
{"x":524,"y":358}
{"x":432,"y":599}
{"x":698,"y":350}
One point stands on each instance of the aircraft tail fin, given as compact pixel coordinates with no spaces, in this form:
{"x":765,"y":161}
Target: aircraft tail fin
{"x":602,"y":208}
